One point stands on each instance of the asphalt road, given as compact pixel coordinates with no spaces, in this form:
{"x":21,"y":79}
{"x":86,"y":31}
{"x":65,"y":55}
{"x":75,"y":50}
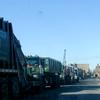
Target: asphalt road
{"x":85,"y":90}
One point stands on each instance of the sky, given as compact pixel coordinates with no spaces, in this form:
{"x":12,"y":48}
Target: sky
{"x":47,"y":27}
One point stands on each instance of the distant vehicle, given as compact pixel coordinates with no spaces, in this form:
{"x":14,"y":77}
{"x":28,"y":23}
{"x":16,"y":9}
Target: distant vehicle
{"x":71,"y":74}
{"x":35,"y":72}
{"x":52,"y":72}
{"x":45,"y":71}
{"x":76,"y":74}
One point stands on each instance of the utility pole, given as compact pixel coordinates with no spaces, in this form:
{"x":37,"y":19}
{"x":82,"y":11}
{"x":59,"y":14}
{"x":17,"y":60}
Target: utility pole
{"x":64,"y":63}
{"x":64,"y":58}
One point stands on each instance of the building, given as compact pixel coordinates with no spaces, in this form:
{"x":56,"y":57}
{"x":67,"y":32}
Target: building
{"x":84,"y":67}
{"x":84,"y":70}
{"x":97,"y":71}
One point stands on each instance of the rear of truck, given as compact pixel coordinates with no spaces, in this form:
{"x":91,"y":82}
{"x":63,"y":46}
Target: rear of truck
{"x":12,"y":63}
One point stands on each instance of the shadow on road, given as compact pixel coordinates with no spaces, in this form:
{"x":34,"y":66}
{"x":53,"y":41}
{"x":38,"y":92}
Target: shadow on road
{"x":68,"y":93}
{"x":84,"y":90}
{"x":78,"y":97}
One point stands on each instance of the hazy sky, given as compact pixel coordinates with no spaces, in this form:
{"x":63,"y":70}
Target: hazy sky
{"x":47,"y":27}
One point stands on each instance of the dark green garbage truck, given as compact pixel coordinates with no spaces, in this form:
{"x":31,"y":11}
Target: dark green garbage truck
{"x":13,"y":69}
{"x":44,"y":70}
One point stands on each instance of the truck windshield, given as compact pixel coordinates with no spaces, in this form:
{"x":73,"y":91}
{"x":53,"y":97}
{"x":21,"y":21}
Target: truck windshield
{"x":33,"y":65}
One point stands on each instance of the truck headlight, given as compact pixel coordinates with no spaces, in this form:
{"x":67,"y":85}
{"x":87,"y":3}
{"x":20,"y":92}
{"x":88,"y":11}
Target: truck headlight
{"x":35,"y":76}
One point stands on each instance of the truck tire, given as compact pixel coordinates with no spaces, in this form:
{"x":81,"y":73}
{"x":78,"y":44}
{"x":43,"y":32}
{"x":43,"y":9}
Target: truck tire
{"x":55,"y":82}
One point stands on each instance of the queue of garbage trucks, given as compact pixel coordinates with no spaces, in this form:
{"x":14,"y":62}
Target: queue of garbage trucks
{"x":20,"y":73}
